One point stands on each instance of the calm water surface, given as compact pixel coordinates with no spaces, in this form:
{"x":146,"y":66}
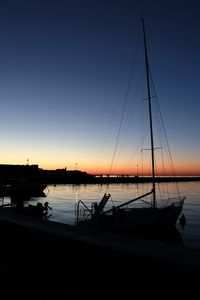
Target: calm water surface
{"x":63,"y":200}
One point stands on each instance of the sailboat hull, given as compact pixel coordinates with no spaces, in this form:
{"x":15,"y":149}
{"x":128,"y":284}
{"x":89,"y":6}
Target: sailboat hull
{"x":140,"y":219}
{"x":147,"y":218}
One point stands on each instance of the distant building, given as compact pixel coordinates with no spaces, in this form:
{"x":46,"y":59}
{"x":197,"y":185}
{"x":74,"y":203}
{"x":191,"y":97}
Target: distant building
{"x":13,"y":171}
{"x":10,"y":173}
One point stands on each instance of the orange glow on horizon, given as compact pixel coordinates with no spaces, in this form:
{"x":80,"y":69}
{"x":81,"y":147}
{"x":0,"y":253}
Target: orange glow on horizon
{"x":187,"y":168}
{"x":181,"y":169}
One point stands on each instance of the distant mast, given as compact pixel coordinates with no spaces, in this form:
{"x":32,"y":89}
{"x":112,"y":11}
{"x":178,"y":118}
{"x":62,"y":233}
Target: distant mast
{"x":150,"y":116}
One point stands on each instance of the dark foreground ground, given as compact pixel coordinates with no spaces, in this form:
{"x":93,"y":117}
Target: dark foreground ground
{"x":36,"y":265}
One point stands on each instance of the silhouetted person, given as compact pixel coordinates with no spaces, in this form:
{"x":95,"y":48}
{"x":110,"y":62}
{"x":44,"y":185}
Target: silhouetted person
{"x":46,"y":207}
{"x":95,"y":206}
{"x":40,"y":209}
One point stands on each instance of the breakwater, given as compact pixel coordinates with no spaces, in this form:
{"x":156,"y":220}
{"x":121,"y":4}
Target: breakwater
{"x":92,"y":179}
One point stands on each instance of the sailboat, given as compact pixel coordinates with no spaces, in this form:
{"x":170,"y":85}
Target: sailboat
{"x":126,"y":218}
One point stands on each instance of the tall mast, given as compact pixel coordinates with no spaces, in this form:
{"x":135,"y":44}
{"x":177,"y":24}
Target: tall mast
{"x":150,"y":115}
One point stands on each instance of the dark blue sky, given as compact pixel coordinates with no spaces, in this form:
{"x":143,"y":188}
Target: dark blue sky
{"x":64,"y":71}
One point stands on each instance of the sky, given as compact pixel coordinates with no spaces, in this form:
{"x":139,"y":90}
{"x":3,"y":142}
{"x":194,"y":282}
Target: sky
{"x":72,"y":83}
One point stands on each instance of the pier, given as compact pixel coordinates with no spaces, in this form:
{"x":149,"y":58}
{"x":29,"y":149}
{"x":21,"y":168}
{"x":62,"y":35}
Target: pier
{"x":121,"y":178}
{"x":50,"y":260}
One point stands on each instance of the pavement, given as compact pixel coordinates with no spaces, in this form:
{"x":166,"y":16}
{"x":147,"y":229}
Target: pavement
{"x":41,"y":259}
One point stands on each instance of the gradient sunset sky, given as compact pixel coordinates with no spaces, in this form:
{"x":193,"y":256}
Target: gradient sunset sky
{"x":65,"y":70}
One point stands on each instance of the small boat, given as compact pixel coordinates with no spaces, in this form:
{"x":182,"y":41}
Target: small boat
{"x":39,"y":210}
{"x":124,"y":217}
{"x":23,"y":187}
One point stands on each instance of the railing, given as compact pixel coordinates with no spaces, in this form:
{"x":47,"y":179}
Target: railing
{"x":96,"y":209}
{"x":177,"y":201}
{"x":82,"y":211}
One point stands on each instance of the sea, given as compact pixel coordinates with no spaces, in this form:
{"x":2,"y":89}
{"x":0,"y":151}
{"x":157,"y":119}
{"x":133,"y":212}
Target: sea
{"x":63,"y":199}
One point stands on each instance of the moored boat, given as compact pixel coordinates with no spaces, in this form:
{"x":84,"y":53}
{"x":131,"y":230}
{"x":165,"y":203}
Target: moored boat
{"x":23,"y":187}
{"x":124,"y":217}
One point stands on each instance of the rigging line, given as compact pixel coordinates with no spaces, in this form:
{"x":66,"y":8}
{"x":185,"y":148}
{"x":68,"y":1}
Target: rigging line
{"x":125,"y":102}
{"x":124,"y":132}
{"x":165,"y":134}
{"x":164,"y":172}
{"x":160,"y":130}
{"x":139,"y":146}
{"x":142,"y":162}
{"x":161,"y":138}
{"x":122,"y":143}
{"x":131,"y":156}
{"x":106,"y":139}
{"x":161,"y":141}
{"x":164,"y":131}
{"x":161,"y":193}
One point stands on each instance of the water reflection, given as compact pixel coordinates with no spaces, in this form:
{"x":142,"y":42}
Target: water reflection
{"x":63,"y":199}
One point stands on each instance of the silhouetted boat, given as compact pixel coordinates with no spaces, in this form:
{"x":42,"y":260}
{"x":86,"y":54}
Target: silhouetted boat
{"x":139,"y":219}
{"x":18,"y":207}
{"x":39,"y":210}
{"x":22,"y":187}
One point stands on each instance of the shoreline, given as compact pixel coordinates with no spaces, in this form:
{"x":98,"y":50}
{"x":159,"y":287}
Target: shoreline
{"x":12,"y":174}
{"x":108,"y":179}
